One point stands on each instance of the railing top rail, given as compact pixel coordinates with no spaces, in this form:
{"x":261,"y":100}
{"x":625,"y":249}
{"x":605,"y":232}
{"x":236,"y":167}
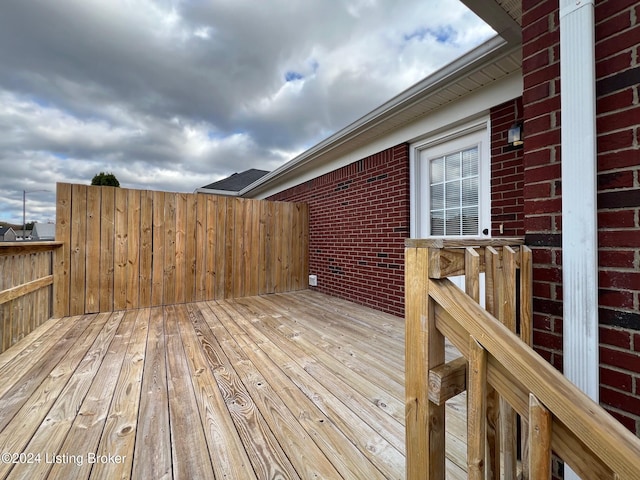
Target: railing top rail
{"x":462,"y":242}
{"x":11,"y":248}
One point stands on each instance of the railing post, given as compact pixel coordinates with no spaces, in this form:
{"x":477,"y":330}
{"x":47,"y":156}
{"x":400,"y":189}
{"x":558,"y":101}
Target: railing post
{"x":424,"y":349}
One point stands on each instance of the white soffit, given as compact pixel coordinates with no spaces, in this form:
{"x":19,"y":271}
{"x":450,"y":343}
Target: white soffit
{"x":492,"y":61}
{"x":504,"y":16}
{"x":513,"y":8}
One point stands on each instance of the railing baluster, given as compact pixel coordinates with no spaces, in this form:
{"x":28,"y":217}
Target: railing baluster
{"x":493,"y":399}
{"x":539,"y":440}
{"x":508,"y":318}
{"x":472,"y":273}
{"x":476,"y":410}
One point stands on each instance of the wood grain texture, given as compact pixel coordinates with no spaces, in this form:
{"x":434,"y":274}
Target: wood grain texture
{"x":476,"y":410}
{"x":424,"y":350}
{"x":277,"y":386}
{"x":152,"y":454}
{"x":584,"y":434}
{"x":126,"y":249}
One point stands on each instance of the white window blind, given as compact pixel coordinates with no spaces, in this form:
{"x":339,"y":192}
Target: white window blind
{"x":454,"y":196}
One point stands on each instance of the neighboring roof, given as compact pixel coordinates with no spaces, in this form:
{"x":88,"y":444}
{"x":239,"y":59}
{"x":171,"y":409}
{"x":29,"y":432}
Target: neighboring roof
{"x":237,"y":181}
{"x":44,"y":230}
{"x":4,"y":230}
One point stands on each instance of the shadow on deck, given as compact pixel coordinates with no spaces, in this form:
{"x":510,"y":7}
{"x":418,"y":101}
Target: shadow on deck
{"x":295,"y":385}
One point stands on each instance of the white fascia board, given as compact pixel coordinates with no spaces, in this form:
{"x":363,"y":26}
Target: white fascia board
{"x":211,"y":191}
{"x":469,"y":107}
{"x":497,"y":18}
{"x":483,"y":55}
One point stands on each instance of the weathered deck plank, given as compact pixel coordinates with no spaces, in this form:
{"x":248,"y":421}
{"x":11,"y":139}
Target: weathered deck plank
{"x":262,"y":447}
{"x":152,"y":455}
{"x":295,"y":385}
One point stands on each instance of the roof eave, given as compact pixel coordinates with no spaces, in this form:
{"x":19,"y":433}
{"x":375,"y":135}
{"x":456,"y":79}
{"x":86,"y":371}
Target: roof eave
{"x":480,"y":56}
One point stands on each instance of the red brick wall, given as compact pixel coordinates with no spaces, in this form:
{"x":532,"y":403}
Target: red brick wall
{"x":618,"y":119}
{"x":507,"y":173}
{"x":359,"y":219}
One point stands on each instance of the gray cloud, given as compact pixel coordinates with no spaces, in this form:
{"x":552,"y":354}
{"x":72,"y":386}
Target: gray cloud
{"x":173,"y":95}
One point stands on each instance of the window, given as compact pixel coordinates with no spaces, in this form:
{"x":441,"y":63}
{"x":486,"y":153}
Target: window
{"x":450,"y":184}
{"x":454,"y":194}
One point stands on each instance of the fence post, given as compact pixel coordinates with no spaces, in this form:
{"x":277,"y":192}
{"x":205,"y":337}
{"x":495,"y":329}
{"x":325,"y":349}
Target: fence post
{"x":424,"y":350}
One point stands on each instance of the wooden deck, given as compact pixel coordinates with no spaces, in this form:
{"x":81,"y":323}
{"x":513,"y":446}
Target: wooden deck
{"x":294,"y":385}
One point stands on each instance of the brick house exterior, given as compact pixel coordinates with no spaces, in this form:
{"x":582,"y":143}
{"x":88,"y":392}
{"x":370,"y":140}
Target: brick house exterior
{"x":617,"y":33}
{"x":361,"y":211}
{"x":359,"y":218}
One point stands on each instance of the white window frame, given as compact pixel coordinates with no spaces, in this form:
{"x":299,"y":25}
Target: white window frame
{"x":453,"y":139}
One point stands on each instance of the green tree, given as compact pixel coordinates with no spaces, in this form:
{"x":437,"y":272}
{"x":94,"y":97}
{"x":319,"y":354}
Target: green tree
{"x":108,"y":179}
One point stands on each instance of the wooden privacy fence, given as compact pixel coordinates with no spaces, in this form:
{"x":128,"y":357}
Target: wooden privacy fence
{"x":504,"y":376}
{"x":26,"y":279}
{"x":127,"y":249}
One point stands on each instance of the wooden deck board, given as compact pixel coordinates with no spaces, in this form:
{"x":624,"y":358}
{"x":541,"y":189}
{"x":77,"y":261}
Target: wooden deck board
{"x":294,"y":385}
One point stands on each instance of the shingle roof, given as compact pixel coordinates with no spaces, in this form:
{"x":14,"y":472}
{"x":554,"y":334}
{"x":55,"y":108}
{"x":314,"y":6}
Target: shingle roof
{"x":237,"y":181}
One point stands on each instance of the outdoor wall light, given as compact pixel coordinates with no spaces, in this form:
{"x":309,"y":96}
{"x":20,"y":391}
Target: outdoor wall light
{"x":515,"y":137}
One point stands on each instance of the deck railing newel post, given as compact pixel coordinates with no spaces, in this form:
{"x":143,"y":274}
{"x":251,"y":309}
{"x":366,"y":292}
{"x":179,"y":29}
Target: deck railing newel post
{"x":424,"y":349}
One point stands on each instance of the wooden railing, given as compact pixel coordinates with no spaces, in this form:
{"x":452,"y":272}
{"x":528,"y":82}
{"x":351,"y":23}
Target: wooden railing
{"x":505,"y":377}
{"x":26,"y":279}
{"x":126,"y":249}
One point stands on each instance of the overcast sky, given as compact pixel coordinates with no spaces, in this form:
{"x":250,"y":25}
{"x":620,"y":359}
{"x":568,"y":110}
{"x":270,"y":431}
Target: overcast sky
{"x":175,"y":94}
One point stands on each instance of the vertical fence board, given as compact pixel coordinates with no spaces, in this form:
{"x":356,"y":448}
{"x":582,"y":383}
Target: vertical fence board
{"x":255,"y":251}
{"x":267,"y":267}
{"x":146,"y":247}
{"x":278,"y":242}
{"x":219,"y":219}
{"x":190,"y":258}
{"x":157,"y":265}
{"x":92,"y":260}
{"x":62,"y":254}
{"x":134,"y":236}
{"x":201,"y":242}
{"x":21,"y":303}
{"x":304,"y":211}
{"x":286,"y":247}
{"x":229,"y":246}
{"x":78,"y":249}
{"x":181,"y":227}
{"x":120,"y":251}
{"x":107,"y":232}
{"x":213,"y":235}
{"x":170,"y":249}
{"x":240,"y":248}
{"x":4,"y":344}
{"x":30,"y":273}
